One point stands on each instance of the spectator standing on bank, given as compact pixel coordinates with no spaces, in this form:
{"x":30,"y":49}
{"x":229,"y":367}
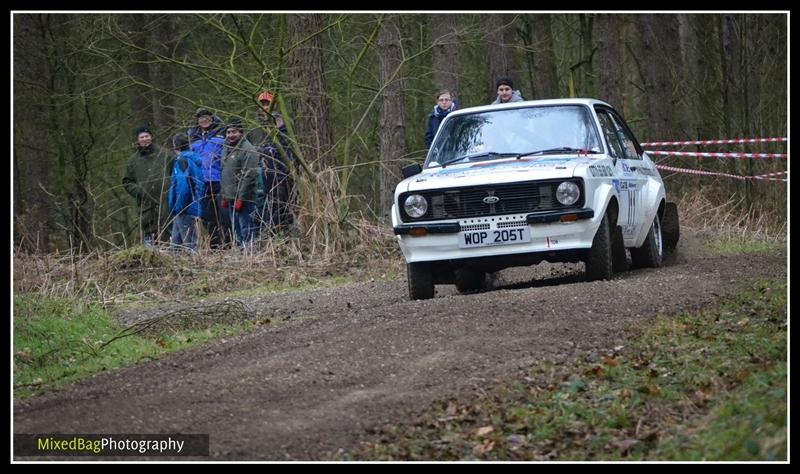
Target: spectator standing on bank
{"x":275,"y":191}
{"x":444,"y":105}
{"x":239,"y":170}
{"x":206,"y":139}
{"x":185,"y":196}
{"x":506,"y":92}
{"x":147,"y":176}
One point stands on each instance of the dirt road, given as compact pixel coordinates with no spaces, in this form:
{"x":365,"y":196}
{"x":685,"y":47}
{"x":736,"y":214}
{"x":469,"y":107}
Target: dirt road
{"x":361,"y":355}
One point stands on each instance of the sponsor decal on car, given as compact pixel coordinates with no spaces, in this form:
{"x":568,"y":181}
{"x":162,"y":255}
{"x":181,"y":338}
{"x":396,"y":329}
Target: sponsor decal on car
{"x":601,"y":171}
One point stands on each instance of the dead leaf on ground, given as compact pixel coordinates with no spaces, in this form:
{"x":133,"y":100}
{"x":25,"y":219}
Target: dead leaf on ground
{"x":484,"y":431}
{"x":483,"y":448}
{"x":597,"y":371}
{"x":626,"y":445}
{"x":452,"y":407}
{"x":624,"y":393}
{"x":741,"y":375}
{"x":650,"y":389}
{"x":610,"y":361}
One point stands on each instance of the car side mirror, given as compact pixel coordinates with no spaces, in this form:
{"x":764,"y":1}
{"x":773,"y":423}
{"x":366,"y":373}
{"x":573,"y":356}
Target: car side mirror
{"x":411,"y":170}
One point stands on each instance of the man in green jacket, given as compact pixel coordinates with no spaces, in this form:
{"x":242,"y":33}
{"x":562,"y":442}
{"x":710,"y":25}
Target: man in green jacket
{"x":239,"y":170}
{"x":147,"y":177}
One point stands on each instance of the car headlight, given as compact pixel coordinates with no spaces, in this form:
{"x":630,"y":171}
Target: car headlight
{"x":568,"y":193}
{"x":416,"y":206}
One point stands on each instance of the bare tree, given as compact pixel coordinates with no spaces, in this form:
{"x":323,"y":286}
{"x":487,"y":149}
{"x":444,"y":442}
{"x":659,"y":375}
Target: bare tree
{"x":31,"y":139}
{"x":312,"y":119}
{"x":160,"y":73}
{"x":446,"y":64}
{"x":132,"y":26}
{"x":499,"y":51}
{"x":659,"y":42}
{"x":609,"y":64}
{"x":392,"y":116}
{"x":537,"y":36}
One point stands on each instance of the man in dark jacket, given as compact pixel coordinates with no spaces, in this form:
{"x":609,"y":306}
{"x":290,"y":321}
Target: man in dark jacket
{"x":275,"y":185}
{"x":206,"y":140}
{"x":147,"y":175}
{"x":239,"y":174}
{"x":444,"y":105}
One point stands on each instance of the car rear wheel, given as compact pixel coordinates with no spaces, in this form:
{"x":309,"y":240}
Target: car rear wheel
{"x":420,"y":281}
{"x":599,"y":262}
{"x":651,"y":253}
{"x":670,"y":227}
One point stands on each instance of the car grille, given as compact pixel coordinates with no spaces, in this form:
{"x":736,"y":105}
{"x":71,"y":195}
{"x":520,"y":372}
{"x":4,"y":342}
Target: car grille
{"x":516,"y":198}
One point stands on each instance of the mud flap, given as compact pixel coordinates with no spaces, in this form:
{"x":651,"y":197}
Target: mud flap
{"x":670,"y":227}
{"x":619,"y":258}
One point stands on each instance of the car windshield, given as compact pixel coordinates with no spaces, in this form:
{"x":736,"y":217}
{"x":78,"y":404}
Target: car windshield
{"x":514,"y":133}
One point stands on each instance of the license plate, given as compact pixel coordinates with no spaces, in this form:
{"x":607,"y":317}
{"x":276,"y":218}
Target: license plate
{"x":488,"y":237}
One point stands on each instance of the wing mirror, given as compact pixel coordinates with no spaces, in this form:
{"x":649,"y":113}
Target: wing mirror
{"x":411,"y":170}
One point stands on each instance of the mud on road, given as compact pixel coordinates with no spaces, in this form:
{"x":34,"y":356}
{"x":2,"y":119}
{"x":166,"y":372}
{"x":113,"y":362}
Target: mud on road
{"x":360,"y":356}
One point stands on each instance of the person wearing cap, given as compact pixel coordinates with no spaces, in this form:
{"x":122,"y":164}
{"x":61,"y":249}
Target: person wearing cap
{"x":185,"y":195}
{"x":239,"y":170}
{"x":274,"y":182}
{"x":444,"y":105}
{"x":266,"y":118}
{"x":206,"y":139}
{"x":146,"y":178}
{"x":505,"y":91}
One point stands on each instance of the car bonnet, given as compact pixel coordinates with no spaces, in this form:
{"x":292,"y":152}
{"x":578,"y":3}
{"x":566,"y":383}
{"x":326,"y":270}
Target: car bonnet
{"x":497,"y":171}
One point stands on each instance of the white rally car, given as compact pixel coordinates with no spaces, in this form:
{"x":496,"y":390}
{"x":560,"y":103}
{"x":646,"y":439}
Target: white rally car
{"x":515,"y":184}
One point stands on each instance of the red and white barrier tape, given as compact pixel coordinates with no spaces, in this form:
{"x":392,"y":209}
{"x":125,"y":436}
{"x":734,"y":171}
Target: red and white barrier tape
{"x":718,"y":155}
{"x":763,"y":177}
{"x":717,"y":142}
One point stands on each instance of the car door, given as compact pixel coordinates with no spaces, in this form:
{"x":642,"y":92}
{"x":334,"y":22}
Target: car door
{"x":627,"y":181}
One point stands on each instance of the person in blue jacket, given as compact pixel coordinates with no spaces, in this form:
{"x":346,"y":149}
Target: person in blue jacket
{"x":206,"y":140}
{"x":444,"y":105}
{"x":185,"y":195}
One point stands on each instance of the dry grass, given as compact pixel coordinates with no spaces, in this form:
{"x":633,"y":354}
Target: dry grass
{"x":727,"y":220}
{"x":140,"y":273}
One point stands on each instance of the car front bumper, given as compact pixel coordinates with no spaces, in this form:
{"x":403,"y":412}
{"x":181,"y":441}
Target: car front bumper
{"x":550,"y":232}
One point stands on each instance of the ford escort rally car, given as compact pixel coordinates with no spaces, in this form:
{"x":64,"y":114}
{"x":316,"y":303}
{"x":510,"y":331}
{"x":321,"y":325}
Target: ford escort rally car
{"x":519,"y":183}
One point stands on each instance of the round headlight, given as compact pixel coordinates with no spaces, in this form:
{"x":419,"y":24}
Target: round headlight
{"x":568,"y":193}
{"x":416,"y":206}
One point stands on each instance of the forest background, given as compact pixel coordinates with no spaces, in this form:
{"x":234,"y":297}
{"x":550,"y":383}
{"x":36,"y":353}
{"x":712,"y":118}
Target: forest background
{"x":356,"y":90}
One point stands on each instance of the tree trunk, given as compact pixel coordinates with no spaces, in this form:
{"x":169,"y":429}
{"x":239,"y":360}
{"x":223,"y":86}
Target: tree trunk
{"x":588,"y":50}
{"x":544,"y":65}
{"x":311,"y":112}
{"x":446,"y":64}
{"x":141,"y":111}
{"x":499,"y":52}
{"x":392,"y":130}
{"x":655,"y":30}
{"x":160,"y":73}
{"x":609,"y":64}
{"x":31,"y":158}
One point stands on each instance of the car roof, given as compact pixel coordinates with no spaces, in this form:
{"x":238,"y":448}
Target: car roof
{"x":529,"y":103}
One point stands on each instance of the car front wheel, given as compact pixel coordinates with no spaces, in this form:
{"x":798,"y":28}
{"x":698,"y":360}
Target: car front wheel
{"x":468,"y":280}
{"x":420,"y":281}
{"x":599,"y":262}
